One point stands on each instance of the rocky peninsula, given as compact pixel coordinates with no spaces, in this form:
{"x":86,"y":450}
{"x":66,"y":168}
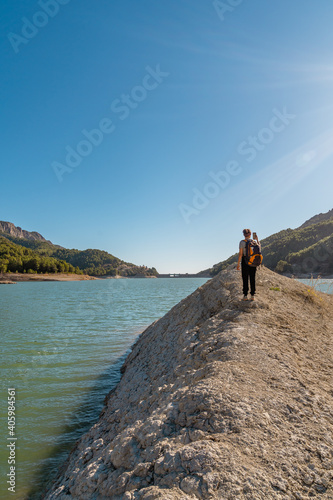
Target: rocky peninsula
{"x":219,"y":399}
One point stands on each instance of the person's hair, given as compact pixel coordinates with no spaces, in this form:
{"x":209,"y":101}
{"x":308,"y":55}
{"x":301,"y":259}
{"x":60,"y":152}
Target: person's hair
{"x":246,"y":231}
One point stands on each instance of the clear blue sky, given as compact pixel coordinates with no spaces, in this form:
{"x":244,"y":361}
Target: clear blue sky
{"x":181,"y":92}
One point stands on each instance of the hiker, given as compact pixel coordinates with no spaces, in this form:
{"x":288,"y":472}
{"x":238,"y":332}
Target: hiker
{"x":248,"y":271}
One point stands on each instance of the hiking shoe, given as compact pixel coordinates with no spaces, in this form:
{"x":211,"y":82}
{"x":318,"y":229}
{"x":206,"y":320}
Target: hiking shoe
{"x":252,"y":297}
{"x":245,"y":297}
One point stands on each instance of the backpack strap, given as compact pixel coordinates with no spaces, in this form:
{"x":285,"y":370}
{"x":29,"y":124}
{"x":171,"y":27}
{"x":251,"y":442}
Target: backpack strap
{"x":247,"y":243}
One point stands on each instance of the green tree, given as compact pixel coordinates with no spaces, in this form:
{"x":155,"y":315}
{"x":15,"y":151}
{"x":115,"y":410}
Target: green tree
{"x":283,"y":267}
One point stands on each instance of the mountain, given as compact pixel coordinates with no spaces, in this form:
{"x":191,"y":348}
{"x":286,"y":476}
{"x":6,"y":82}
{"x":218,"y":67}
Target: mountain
{"x":12,"y":230}
{"x":302,"y":251}
{"x":317,"y":218}
{"x":219,"y":399}
{"x":93,"y":262}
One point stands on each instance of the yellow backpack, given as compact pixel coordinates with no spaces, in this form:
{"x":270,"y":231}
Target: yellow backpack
{"x":253,"y":256}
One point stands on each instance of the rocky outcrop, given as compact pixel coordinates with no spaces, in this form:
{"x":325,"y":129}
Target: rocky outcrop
{"x":318,"y":218}
{"x":219,"y":399}
{"x":17,"y":232}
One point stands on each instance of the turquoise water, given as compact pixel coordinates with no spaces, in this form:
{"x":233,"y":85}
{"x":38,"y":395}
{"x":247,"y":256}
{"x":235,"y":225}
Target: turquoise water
{"x":321,"y":284}
{"x":62,"y":346}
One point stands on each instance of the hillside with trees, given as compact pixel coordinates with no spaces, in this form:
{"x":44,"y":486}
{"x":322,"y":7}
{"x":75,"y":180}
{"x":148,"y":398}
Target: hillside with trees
{"x":34,"y":254}
{"x":15,"y":258}
{"x":304,"y":250}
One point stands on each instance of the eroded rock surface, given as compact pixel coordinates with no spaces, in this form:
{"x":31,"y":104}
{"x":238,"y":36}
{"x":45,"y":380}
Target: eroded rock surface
{"x":219,"y":399}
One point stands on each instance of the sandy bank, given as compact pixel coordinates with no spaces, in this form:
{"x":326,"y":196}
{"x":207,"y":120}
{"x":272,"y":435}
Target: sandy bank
{"x":44,"y":277}
{"x":219,"y":399}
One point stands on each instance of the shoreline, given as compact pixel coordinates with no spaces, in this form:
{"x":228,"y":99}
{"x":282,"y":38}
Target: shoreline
{"x":9,"y":278}
{"x":309,"y":276}
{"x":117,"y":277}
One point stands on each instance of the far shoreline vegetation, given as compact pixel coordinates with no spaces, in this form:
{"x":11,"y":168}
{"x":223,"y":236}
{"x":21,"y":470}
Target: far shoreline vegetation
{"x":25,"y":256}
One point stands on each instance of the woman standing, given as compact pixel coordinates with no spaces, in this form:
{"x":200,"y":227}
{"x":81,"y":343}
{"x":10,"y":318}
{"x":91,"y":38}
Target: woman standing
{"x":248,"y":272}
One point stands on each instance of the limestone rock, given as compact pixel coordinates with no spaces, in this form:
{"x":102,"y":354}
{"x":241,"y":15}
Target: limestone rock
{"x":17,"y":232}
{"x":219,"y":399}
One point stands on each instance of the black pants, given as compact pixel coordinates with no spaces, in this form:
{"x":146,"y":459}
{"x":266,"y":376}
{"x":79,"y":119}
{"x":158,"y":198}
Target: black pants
{"x":248,"y":272}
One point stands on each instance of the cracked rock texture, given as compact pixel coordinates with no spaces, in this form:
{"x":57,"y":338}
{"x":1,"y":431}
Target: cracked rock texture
{"x":219,"y":399}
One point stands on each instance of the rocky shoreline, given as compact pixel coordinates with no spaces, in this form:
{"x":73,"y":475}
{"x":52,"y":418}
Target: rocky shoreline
{"x":219,"y":399}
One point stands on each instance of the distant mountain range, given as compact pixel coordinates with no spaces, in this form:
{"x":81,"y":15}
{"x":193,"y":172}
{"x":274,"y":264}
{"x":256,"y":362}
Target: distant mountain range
{"x":24,"y":251}
{"x":302,"y":251}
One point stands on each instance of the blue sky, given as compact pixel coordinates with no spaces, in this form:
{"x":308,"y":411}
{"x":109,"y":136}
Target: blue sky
{"x":158,"y":130}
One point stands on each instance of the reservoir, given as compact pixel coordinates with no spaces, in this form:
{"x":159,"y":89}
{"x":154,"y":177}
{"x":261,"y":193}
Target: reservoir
{"x":62,"y":345}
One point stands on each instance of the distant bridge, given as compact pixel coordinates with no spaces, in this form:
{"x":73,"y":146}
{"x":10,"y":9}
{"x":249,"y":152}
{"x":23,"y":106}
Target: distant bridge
{"x":178,"y":275}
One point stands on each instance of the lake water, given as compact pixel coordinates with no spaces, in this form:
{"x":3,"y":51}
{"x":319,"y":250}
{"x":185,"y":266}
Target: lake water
{"x":62,"y":346}
{"x":321,"y":284}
